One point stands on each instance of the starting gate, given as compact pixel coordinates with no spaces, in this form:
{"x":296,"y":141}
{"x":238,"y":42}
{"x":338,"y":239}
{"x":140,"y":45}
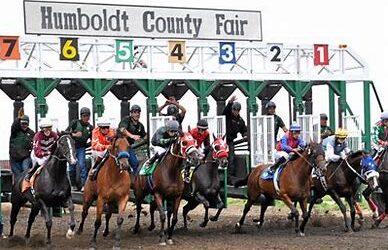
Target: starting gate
{"x":352,"y":124}
{"x":157,"y":122}
{"x":311,"y":127}
{"x":217,"y":125}
{"x":262,"y":139}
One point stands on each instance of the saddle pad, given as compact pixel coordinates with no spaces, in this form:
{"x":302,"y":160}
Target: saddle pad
{"x":268,"y":175}
{"x":147,"y":170}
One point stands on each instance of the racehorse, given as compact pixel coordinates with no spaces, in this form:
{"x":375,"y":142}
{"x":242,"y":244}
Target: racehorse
{"x":383,"y":180}
{"x":111,"y":187}
{"x":166,"y":184}
{"x":51,"y":188}
{"x":294,"y":185}
{"x":205,"y":184}
{"x":340,"y":181}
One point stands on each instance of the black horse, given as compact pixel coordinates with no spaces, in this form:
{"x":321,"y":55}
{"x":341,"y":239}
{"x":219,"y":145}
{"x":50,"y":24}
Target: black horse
{"x":205,"y":183}
{"x":382,"y":199}
{"x":340,"y":180}
{"x":51,"y":189}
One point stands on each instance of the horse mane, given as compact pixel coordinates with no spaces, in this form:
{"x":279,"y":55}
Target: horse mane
{"x":357,"y":154}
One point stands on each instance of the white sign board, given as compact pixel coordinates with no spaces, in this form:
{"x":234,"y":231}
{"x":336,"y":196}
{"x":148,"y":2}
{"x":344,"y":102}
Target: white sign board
{"x":81,"y":19}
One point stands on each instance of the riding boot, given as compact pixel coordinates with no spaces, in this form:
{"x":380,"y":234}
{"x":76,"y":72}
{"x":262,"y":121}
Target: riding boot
{"x":280,"y":161}
{"x":151,"y":161}
{"x":96,"y":168}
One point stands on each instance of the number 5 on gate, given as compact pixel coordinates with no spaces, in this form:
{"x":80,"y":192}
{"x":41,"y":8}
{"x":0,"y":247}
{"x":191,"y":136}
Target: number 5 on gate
{"x":9,"y":48}
{"x":124,"y":51}
{"x":176,"y":51}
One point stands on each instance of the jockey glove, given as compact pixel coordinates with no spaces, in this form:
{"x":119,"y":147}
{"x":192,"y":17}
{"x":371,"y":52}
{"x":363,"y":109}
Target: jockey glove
{"x":165,"y":141}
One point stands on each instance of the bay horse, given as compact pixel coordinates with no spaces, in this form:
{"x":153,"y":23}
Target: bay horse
{"x":204,"y":186}
{"x":341,"y":181}
{"x":166,"y":183}
{"x":111,"y":188}
{"x":383,"y":181}
{"x":51,"y":189}
{"x":294,"y":185}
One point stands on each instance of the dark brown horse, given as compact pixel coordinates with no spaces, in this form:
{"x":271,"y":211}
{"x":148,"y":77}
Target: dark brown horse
{"x":167,"y":184}
{"x":294,"y":185}
{"x":111,"y":188}
{"x":340,"y":181}
{"x":205,"y":183}
{"x":383,"y":180}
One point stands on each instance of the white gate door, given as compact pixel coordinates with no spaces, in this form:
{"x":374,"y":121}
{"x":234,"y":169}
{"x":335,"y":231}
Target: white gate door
{"x":157,"y":122}
{"x":217,"y":125}
{"x":311,"y":127}
{"x":352,"y":124}
{"x":262,"y":139}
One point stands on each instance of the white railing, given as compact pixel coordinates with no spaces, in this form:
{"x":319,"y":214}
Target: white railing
{"x":157,"y":122}
{"x":352,"y":124}
{"x":311,"y":127}
{"x":217,"y":125}
{"x":262,"y":139}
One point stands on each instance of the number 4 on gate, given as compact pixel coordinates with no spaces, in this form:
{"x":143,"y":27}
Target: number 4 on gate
{"x":176,"y":51}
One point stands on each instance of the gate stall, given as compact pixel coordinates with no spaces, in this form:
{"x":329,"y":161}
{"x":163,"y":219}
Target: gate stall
{"x":352,"y":124}
{"x":262,"y":139}
{"x":311,"y":127}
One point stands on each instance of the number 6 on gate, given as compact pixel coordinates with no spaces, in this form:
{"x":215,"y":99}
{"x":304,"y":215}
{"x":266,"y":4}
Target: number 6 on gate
{"x":69,"y":49}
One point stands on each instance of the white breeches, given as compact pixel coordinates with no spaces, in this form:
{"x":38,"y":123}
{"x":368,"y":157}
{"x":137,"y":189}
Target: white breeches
{"x":40,"y":161}
{"x":156,"y":149}
{"x":279,"y":154}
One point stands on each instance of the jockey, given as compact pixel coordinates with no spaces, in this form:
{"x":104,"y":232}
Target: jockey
{"x":162,"y":138}
{"x":336,"y":146}
{"x":290,"y":142}
{"x":102,"y":138}
{"x":380,"y":134}
{"x":42,"y":143}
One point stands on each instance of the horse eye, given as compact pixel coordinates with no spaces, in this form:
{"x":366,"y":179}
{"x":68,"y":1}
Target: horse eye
{"x":184,"y":143}
{"x":217,"y":147}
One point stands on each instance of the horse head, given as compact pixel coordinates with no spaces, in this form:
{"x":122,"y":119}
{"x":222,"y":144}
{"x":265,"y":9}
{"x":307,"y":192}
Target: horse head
{"x":65,"y":149}
{"x":369,"y":171}
{"x":316,"y":155}
{"x":119,"y":151}
{"x":220,"y":151}
{"x":188,"y":149}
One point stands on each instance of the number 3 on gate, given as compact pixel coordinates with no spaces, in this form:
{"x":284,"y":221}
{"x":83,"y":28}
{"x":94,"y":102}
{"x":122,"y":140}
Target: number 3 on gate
{"x":176,"y":51}
{"x":69,"y":49}
{"x":227,"y":53}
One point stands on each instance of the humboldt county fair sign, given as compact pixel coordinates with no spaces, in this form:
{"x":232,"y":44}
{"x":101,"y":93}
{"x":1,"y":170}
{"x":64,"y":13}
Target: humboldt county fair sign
{"x":81,"y":19}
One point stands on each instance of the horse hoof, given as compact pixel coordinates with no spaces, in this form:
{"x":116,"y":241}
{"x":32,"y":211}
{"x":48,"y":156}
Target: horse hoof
{"x":162,"y":244}
{"x":170,"y":242}
{"x":203,"y":224}
{"x":301,"y":234}
{"x":106,"y":233}
{"x":116,"y":248}
{"x":69,"y":234}
{"x":79,"y":232}
{"x":135,"y":230}
{"x":213,"y":218}
{"x":259,"y":225}
{"x":238,"y":225}
{"x":151,"y":227}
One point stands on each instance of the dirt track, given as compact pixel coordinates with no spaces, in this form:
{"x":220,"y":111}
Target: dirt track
{"x":324,"y":231}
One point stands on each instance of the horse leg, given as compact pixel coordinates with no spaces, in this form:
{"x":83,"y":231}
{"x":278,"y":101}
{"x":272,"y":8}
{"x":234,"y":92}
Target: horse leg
{"x":122,"y":204}
{"x":153,"y":207}
{"x":306,"y":217}
{"x":138,"y":212}
{"x":351,"y":203}
{"x":108,"y":215}
{"x":263,"y":208}
{"x":205,"y":218}
{"x":342,"y":207}
{"x":70,"y":231}
{"x":85,"y":209}
{"x":49,"y":222}
{"x":177,"y":201}
{"x":34,"y":212}
{"x":294,"y":211}
{"x":199,"y":197}
{"x":247,"y":207}
{"x":14,"y":213}
{"x":97,"y":222}
{"x":159,"y":202}
{"x":220,"y":206}
{"x":186,"y":209}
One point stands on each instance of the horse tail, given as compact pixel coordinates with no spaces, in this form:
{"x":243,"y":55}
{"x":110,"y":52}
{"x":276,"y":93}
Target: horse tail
{"x":241,"y":182}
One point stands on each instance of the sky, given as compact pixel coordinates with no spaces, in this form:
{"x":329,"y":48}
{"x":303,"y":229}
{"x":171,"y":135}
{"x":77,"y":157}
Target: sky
{"x":362,"y":25}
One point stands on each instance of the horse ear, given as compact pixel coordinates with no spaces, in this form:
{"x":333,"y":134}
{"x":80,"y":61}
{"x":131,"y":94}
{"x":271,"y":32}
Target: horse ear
{"x":223,"y":137}
{"x":214,"y":137}
{"x":188,"y":128}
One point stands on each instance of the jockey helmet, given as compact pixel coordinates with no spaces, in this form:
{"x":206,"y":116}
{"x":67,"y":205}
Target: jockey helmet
{"x":270,"y":104}
{"x":172,"y":125}
{"x":202,"y":124}
{"x":103,"y":122}
{"x":172,"y":109}
{"x":323,"y":116}
{"x":135,"y":108}
{"x":25,"y":119}
{"x":384,"y":116}
{"x":85,"y":111}
{"x":341,"y":133}
{"x":45,"y":123}
{"x":236,"y":106}
{"x":295,"y":127}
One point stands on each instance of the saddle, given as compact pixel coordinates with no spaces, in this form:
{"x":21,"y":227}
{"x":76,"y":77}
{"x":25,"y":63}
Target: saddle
{"x":26,"y":185}
{"x":146,"y":170}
